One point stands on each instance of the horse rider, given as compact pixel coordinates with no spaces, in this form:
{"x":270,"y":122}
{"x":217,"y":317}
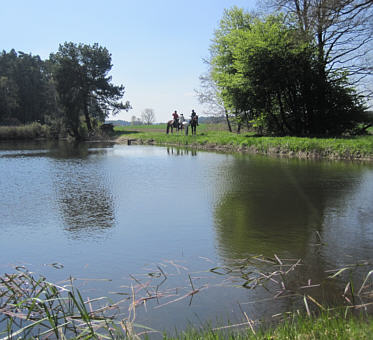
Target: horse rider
{"x":176,"y":118}
{"x":181,"y":119}
{"x":194,"y":116}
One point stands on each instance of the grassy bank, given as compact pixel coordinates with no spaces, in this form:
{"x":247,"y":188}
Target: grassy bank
{"x":209,"y":137}
{"x":325,"y":326}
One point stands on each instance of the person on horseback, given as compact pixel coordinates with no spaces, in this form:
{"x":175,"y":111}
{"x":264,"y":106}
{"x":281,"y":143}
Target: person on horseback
{"x":176,"y":118}
{"x":194,"y":116}
{"x":181,"y":118}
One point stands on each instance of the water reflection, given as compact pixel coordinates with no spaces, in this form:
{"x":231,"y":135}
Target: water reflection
{"x":82,"y":189}
{"x":271,"y":208}
{"x":285,"y":207}
{"x":130,"y":206}
{"x":175,"y":151}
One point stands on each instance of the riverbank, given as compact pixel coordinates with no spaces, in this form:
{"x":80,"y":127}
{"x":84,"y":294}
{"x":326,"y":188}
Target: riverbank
{"x":347,"y":148}
{"x":213,"y":137}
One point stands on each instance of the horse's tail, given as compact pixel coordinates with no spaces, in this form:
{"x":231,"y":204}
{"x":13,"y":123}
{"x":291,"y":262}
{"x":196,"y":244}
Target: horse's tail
{"x":168,"y":128}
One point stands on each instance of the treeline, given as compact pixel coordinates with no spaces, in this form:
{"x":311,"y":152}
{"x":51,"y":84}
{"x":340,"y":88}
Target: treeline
{"x":71,"y":91}
{"x":295,"y":72}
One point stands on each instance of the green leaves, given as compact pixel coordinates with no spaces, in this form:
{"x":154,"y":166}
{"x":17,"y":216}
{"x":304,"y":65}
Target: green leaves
{"x":268,"y":75}
{"x":83,"y":84}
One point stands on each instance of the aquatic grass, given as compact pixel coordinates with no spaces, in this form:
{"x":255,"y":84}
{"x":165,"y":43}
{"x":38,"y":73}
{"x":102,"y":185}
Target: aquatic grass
{"x":34,"y":307}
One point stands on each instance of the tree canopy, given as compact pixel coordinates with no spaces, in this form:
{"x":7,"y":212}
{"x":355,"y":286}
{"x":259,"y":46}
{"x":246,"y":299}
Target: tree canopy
{"x":73,"y":83}
{"x":24,"y":84}
{"x":269,"y":75}
{"x":81,"y":74}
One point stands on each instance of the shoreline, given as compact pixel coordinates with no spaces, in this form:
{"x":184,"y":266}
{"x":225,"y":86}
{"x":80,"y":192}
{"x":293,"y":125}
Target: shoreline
{"x":277,"y":152}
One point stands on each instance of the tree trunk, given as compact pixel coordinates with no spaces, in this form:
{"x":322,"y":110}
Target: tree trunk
{"x":228,"y":122}
{"x":87,"y":119}
{"x":239,"y":128}
{"x":283,"y":118}
{"x":247,"y":121}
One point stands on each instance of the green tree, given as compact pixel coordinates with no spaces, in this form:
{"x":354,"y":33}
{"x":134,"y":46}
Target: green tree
{"x":223,"y":71}
{"x":269,"y":75}
{"x":32,"y":83}
{"x":341,"y":30}
{"x":8,"y":98}
{"x":84,"y":87}
{"x":24,"y":88}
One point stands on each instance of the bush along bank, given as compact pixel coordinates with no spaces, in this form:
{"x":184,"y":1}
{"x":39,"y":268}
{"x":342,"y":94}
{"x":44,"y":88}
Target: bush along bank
{"x":30,"y":131}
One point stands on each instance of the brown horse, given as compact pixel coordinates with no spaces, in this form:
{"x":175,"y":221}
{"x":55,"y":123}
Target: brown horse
{"x":171,"y":125}
{"x":193,"y":124}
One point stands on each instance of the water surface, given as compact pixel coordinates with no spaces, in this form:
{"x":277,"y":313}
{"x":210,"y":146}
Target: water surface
{"x":111,"y":211}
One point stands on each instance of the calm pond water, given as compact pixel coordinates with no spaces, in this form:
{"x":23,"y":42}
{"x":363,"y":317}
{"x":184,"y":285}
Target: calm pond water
{"x":179,"y":220}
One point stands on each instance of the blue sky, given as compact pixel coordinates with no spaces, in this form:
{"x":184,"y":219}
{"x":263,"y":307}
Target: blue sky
{"x":157,"y":47}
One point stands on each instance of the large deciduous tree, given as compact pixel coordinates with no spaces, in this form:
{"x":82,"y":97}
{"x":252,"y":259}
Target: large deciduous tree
{"x":342,"y":30}
{"x":84,"y":87}
{"x":268,"y":73}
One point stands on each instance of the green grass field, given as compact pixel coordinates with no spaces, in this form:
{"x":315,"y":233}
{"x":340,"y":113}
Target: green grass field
{"x":213,"y":136}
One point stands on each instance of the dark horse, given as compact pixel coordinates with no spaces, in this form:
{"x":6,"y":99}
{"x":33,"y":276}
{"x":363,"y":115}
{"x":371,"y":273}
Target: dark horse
{"x":193,"y":124}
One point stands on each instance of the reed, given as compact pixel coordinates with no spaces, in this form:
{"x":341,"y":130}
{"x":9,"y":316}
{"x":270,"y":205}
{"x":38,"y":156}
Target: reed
{"x":30,"y":131}
{"x":32,"y":307}
{"x":35,"y":308}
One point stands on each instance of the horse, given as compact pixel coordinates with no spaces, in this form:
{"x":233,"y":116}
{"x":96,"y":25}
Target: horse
{"x":193,"y":123}
{"x":171,"y":125}
{"x":179,"y":126}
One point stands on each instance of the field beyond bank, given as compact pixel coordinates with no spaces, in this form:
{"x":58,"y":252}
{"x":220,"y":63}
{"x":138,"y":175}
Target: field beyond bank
{"x":214,"y":137}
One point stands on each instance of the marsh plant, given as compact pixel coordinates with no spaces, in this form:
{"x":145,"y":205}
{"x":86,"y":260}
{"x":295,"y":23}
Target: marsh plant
{"x":31,"y":307}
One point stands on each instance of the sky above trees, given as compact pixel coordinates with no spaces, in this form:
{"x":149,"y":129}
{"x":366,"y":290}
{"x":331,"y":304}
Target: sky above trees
{"x":157,"y":47}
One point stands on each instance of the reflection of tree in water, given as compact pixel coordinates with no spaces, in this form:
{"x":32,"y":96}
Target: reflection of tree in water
{"x":63,"y":150}
{"x":83,"y":194}
{"x":276,"y":207}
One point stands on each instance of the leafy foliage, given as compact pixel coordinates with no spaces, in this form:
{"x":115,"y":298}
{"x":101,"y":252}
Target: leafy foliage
{"x":81,"y":73}
{"x":269,"y":76}
{"x":24,"y":83}
{"x":74,"y":82}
